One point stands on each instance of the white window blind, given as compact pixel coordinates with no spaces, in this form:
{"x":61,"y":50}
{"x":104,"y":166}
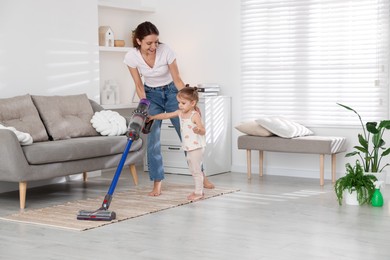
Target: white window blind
{"x":300,"y":57}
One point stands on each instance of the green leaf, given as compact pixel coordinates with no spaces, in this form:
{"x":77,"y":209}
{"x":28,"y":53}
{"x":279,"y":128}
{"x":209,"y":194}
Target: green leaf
{"x":351,"y":154}
{"x":386,"y":152}
{"x":371,"y":127}
{"x":384,"y":124}
{"x":363,"y":141}
{"x":362,"y":149}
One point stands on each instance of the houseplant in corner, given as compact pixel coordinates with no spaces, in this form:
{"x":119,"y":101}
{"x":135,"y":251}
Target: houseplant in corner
{"x":372,"y":146}
{"x":355,"y":183}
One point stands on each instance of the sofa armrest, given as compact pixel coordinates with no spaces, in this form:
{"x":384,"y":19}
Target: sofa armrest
{"x":13,"y":163}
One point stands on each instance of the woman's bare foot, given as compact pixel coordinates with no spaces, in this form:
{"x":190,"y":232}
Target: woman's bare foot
{"x":193,"y":196}
{"x":206,"y":183}
{"x":156,"y":189}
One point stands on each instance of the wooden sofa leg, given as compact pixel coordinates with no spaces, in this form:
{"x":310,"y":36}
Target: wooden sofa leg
{"x":261,"y":163}
{"x":133,"y":172}
{"x":322,"y":156}
{"x":22,"y":194}
{"x":85,"y":176}
{"x":333,"y":168}
{"x":248,"y":163}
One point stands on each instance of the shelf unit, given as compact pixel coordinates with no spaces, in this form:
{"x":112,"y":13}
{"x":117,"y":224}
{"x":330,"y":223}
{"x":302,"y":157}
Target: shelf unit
{"x":122,"y":17}
{"x":216,"y":115}
{"x":114,"y":49}
{"x":125,"y":6}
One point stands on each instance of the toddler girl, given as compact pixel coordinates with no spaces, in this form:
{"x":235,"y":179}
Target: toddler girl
{"x":192,"y":134}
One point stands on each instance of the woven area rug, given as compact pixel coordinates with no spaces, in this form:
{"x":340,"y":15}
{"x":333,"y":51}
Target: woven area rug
{"x":126,"y":204}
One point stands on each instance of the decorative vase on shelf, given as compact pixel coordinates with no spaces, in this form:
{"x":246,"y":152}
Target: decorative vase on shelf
{"x":115,"y":88}
{"x":110,"y":93}
{"x":107,"y":96}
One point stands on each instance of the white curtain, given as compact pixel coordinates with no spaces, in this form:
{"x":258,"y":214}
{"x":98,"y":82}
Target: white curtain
{"x":301,"y":57}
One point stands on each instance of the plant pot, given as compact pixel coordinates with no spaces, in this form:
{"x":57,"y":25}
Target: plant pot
{"x":351,"y":198}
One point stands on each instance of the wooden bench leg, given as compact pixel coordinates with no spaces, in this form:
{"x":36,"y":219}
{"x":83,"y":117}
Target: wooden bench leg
{"x":333,"y":168}
{"x":261,"y":163}
{"x":22,"y":194}
{"x":85,"y":176}
{"x":133,"y":172}
{"x":322,"y":156}
{"x":248,"y":163}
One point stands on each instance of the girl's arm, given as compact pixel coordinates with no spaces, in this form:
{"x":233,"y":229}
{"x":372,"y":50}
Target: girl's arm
{"x":163,"y":116}
{"x":174,"y":70}
{"x":199,"y":129}
{"x":139,"y":86}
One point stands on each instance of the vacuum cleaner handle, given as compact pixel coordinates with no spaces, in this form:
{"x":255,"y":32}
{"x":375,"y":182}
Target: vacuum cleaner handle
{"x":137,"y":120}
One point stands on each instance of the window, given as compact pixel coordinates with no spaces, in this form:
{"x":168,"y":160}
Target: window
{"x":300,"y":57}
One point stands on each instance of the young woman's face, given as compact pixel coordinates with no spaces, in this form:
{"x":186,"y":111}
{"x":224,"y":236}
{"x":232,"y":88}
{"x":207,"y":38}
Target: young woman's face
{"x":185,"y":105}
{"x":149,"y":44}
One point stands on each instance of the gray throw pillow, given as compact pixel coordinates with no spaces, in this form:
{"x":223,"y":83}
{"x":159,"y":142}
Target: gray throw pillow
{"x":19,"y":112}
{"x":66,"y":116}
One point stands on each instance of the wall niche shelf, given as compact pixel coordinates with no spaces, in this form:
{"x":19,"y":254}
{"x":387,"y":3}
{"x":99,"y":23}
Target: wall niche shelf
{"x":122,"y":16}
{"x":125,"y":6}
{"x":114,"y":49}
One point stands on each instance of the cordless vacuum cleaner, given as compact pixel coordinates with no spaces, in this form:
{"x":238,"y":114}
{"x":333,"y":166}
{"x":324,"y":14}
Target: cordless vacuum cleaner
{"x":136,"y":125}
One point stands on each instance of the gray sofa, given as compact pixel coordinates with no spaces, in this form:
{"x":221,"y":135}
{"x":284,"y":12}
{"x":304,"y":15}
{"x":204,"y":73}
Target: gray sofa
{"x":64,"y":141}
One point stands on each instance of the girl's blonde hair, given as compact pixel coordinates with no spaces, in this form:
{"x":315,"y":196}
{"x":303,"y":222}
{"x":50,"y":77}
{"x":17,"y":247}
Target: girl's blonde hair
{"x":189,"y":93}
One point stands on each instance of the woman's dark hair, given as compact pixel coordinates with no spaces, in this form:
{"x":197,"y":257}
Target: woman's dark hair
{"x":144,"y":29}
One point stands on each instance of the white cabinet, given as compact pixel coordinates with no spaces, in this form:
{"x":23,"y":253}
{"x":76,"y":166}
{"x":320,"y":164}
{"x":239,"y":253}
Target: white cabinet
{"x":216,"y":115}
{"x":123,"y":17}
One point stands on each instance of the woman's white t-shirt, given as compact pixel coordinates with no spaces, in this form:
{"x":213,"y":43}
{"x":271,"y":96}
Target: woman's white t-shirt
{"x":159,"y":74}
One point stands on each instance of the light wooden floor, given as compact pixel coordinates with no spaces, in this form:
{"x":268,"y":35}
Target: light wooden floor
{"x":273,"y":218}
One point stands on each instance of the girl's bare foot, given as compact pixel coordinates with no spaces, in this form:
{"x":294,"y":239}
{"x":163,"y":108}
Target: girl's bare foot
{"x":206,"y":183}
{"x":193,"y":196}
{"x":156,"y":189}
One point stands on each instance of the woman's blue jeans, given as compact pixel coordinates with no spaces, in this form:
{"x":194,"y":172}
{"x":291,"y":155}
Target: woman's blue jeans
{"x":162,"y":99}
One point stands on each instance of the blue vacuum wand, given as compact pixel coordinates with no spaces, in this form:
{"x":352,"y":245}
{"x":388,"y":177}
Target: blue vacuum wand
{"x":135,"y":127}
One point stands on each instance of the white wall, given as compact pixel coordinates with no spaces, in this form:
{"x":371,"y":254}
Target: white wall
{"x":48,"y":48}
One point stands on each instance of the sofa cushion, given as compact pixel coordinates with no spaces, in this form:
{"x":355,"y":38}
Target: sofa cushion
{"x":252,"y":128}
{"x":66,"y":117}
{"x":283,"y":127}
{"x":77,"y":149}
{"x":19,"y":112}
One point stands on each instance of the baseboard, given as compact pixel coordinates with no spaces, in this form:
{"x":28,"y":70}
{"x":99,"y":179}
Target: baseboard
{"x":283,"y":172}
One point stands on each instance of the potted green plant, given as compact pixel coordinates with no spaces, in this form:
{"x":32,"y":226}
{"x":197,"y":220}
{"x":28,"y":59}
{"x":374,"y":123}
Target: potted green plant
{"x":355,"y":181}
{"x":372,"y":146}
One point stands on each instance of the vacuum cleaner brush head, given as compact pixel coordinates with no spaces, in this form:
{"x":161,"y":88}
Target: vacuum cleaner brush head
{"x":100,"y":215}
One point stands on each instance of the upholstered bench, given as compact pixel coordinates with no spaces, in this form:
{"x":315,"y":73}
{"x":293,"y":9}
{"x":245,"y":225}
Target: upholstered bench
{"x":321,"y":145}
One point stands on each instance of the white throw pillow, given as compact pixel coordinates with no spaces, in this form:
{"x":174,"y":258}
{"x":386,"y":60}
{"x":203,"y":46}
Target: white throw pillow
{"x":283,"y":127}
{"x":252,"y":128}
{"x":108,"y":122}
